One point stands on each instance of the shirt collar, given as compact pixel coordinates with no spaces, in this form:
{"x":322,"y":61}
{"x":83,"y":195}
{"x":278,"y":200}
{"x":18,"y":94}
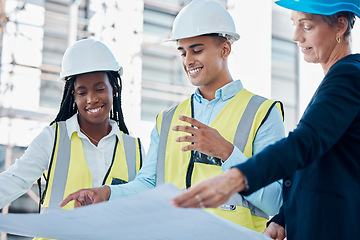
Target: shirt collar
{"x":73,"y":126}
{"x":224,"y":93}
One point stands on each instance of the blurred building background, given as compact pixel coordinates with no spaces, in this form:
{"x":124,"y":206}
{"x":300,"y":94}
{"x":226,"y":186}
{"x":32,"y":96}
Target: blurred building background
{"x":35,"y":33}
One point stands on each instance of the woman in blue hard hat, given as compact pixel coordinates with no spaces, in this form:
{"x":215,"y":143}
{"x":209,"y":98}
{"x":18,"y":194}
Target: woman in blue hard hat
{"x":319,"y":161}
{"x":87,"y":145}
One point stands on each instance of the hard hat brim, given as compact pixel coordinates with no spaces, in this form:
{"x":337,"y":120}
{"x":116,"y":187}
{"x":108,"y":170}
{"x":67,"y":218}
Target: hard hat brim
{"x":318,"y":8}
{"x":73,"y":72}
{"x":233,"y":36}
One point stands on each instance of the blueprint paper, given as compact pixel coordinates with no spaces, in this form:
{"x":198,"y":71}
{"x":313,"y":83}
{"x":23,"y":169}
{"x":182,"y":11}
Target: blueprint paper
{"x":147,"y":215}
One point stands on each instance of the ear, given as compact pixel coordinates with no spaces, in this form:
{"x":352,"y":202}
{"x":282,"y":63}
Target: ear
{"x":225,"y":49}
{"x":341,"y":27}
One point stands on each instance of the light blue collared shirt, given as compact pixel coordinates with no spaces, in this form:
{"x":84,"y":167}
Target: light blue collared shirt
{"x":268,"y":199}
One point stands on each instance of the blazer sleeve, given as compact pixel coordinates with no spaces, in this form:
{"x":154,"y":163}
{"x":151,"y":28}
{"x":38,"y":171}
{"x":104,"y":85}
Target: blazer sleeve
{"x":278,"y":218}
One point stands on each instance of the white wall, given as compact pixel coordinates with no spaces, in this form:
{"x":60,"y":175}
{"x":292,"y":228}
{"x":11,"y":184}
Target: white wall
{"x":251,"y":58}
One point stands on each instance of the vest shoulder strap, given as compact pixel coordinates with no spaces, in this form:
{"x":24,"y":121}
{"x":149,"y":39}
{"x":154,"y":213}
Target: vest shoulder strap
{"x":130,"y":155}
{"x":167,"y":116}
{"x":244,"y":126}
{"x":62,"y":162}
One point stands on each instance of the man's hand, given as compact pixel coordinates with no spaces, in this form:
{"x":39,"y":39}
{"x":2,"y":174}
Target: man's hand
{"x":87,"y":196}
{"x":204,"y":139}
{"x":275,"y":231}
{"x":212,"y":192}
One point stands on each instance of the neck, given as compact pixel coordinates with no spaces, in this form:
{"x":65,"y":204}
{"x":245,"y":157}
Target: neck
{"x":208,"y":91}
{"x":336,"y":56}
{"x":95,"y":132}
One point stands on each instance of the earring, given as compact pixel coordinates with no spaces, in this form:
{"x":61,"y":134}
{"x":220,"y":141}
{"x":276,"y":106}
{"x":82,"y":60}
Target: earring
{"x":338,"y":39}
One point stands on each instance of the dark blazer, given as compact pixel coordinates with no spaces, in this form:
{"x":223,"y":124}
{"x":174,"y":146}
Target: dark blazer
{"x":319,"y":161}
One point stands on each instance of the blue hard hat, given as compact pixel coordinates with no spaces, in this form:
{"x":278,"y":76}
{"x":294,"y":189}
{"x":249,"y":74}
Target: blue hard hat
{"x":322,"y":7}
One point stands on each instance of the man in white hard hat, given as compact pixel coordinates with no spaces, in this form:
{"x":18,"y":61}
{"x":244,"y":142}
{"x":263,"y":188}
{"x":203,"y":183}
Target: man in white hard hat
{"x":220,"y":125}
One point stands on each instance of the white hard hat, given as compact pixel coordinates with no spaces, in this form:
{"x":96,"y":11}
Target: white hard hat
{"x":203,"y":17}
{"x":86,"y":56}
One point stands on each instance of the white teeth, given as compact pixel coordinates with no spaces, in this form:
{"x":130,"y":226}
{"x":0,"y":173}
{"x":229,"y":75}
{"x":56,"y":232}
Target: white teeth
{"x":194,"y":70}
{"x":94,"y":110}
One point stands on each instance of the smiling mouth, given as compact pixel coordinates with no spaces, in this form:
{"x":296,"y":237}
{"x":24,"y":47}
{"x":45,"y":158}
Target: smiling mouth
{"x":194,"y":70}
{"x":94,"y":110}
{"x":306,"y":48}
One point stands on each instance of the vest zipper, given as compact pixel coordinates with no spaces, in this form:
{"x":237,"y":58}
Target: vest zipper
{"x":112,"y":162}
{"x":191,"y":161}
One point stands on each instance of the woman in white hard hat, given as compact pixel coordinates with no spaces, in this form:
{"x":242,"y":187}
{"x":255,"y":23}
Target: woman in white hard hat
{"x":320,"y":160}
{"x":87,"y":145}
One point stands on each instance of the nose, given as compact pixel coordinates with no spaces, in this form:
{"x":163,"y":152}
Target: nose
{"x":92,"y":98}
{"x":297,"y":36}
{"x":188,"y":60}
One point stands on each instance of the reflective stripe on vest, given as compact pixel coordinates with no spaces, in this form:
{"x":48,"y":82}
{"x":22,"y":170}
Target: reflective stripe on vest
{"x":62,"y":151}
{"x":59,"y":177}
{"x":243,"y":129}
{"x":130,"y":154}
{"x":165,"y":127}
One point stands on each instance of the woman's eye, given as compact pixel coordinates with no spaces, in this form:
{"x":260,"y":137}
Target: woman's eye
{"x":100,"y":89}
{"x":81,"y":93}
{"x":197,"y":51}
{"x":307,"y":28}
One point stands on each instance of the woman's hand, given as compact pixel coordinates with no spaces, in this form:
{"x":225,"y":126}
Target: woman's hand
{"x":212,"y":192}
{"x":87,"y":196}
{"x":275,"y":231}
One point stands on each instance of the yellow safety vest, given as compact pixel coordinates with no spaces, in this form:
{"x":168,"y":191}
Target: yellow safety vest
{"x":69,"y":172}
{"x":238,"y":123}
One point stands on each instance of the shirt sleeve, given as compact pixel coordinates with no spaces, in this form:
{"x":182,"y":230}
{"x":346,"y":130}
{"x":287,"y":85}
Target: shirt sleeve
{"x":269,"y":198}
{"x":20,"y":176}
{"x":146,"y":177}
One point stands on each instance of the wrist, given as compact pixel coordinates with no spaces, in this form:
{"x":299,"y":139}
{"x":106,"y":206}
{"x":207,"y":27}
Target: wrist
{"x":226,"y":153}
{"x":106,"y":192}
{"x":237,"y":180}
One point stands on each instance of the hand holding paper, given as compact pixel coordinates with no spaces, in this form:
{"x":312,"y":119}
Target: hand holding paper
{"x":213,"y":192}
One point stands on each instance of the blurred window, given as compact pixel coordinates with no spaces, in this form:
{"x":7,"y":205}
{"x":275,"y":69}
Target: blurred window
{"x":285,"y":80}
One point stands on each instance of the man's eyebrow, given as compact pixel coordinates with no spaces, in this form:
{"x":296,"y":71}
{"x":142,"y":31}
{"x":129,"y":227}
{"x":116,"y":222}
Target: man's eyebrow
{"x":191,"y":46}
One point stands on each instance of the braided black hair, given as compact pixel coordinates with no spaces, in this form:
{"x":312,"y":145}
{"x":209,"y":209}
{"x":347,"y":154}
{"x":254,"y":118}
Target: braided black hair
{"x":68,"y":107}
